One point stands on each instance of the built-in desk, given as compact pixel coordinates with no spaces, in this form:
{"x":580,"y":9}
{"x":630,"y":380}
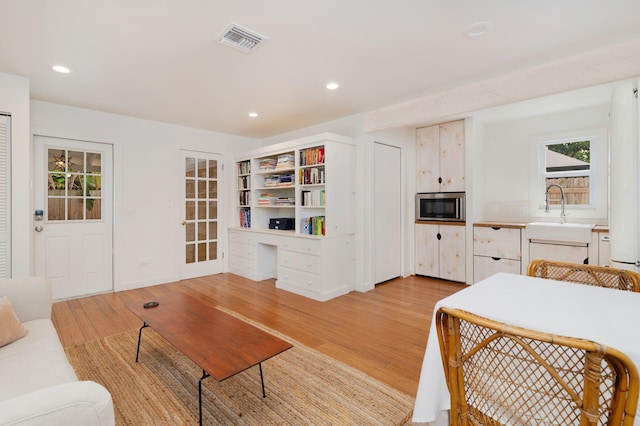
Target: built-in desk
{"x":317,"y":267}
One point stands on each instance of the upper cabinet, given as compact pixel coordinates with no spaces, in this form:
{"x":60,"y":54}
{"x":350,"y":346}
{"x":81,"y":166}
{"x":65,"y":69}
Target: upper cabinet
{"x":440,"y":158}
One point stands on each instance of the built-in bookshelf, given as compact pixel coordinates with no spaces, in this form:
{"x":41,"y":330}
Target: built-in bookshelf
{"x":292,"y":181}
{"x":305,"y":190}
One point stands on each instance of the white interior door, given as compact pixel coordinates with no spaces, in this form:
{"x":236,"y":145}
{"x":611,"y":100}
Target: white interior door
{"x":387,"y":216}
{"x":73,"y":241}
{"x":200,"y":222}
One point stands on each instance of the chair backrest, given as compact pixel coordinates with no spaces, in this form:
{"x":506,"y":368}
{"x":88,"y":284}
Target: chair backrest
{"x":504,"y":375}
{"x":619,"y":279}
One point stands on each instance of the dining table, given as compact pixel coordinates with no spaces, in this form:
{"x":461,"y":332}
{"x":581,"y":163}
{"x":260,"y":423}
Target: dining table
{"x":606,"y":316}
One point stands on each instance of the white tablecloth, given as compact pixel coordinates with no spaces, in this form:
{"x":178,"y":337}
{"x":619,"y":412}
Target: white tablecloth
{"x":609,"y":317}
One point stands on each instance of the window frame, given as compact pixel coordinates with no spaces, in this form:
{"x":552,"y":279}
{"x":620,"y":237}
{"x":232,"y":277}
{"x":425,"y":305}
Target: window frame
{"x":591,"y":173}
{"x":598,"y":182}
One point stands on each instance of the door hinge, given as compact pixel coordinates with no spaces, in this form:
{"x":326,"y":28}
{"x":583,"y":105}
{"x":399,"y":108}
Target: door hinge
{"x":223,"y":255}
{"x":222,"y":166}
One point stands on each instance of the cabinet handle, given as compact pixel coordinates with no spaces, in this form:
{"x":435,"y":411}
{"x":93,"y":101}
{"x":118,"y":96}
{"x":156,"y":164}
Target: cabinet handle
{"x":586,"y":261}
{"x":439,"y":236}
{"x":495,"y":258}
{"x":440,"y":180}
{"x":495,"y":228}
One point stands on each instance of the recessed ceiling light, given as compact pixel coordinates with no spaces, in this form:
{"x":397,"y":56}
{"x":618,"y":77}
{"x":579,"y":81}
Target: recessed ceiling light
{"x":61,"y":69}
{"x":478,"y":29}
{"x":332,"y":85}
{"x":253,"y":114}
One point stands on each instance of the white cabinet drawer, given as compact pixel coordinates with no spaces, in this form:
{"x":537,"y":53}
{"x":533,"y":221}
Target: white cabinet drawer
{"x":242,"y":266}
{"x":300,"y":261}
{"x":242,"y":237}
{"x":298,"y":279}
{"x":302,"y":245}
{"x":243,"y":250}
{"x":484,"y":267}
{"x":497,"y":242}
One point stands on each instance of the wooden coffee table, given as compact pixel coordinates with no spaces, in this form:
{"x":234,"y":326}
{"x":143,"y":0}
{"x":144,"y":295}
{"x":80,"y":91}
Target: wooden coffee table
{"x":220,"y":344}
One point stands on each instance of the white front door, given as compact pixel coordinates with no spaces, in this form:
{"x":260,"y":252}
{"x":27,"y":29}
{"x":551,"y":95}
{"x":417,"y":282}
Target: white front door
{"x":200,"y":223}
{"x":73,"y":188}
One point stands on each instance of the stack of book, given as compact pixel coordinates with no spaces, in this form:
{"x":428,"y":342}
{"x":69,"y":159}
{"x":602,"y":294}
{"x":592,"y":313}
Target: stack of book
{"x":266,"y":199}
{"x":244,"y":182}
{"x":285,"y":161}
{"x":313,"y":225}
{"x":267,"y":164}
{"x":285,"y":201}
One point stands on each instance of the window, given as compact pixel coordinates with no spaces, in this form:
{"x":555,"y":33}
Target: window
{"x":567,"y":163}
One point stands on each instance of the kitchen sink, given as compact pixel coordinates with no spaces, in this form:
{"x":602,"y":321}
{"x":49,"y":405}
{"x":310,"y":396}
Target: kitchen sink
{"x":561,"y":232}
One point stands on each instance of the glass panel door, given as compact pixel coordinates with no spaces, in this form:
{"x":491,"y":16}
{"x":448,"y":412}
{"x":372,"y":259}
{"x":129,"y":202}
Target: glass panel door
{"x":200,"y":214}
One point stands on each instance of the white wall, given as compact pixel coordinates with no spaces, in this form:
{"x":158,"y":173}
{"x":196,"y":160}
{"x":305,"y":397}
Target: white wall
{"x":14,"y":100}
{"x":504,"y":150}
{"x":146,"y":210}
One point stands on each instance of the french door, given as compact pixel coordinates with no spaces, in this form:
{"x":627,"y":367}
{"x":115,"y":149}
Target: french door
{"x":73,"y":226}
{"x":200,"y":222}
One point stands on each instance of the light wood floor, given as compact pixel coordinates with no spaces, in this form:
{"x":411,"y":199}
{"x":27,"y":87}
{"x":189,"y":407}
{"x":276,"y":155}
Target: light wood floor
{"x":382,"y":332}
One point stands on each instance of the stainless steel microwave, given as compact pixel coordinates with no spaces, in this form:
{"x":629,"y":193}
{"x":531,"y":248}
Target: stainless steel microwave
{"x":446,"y":206}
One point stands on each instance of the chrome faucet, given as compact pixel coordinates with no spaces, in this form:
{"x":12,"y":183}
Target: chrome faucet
{"x":563,"y":218}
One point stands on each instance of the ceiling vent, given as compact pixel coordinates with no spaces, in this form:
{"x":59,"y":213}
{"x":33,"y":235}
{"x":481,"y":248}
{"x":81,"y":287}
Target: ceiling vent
{"x":241,"y":38}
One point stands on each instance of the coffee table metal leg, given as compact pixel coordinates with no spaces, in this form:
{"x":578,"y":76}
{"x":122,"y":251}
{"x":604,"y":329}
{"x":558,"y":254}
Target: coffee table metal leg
{"x":144,"y":325}
{"x":204,"y":376}
{"x":264,"y":395}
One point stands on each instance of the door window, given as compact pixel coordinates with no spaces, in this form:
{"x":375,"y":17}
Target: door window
{"x":201,"y":210}
{"x":74,"y":184}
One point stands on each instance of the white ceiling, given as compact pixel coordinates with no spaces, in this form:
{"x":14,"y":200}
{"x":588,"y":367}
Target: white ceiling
{"x":159,"y":59}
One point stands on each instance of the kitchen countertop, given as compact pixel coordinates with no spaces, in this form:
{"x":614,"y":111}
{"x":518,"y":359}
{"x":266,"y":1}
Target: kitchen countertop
{"x":522,"y":225}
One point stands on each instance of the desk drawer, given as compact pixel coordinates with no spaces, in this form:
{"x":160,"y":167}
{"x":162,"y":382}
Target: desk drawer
{"x":302,"y":245}
{"x":299,"y":279}
{"x":299,"y":261}
{"x":243,"y":250}
{"x":243,"y":267}
{"x":242,"y":237}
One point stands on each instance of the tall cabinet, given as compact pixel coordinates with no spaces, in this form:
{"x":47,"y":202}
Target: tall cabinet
{"x":294,"y":216}
{"x":440,"y":163}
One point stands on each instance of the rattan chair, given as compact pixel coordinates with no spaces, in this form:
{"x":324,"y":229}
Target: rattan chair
{"x":503,"y":375}
{"x":600,"y":276}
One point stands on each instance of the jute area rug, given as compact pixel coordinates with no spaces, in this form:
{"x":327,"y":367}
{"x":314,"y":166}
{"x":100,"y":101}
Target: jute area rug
{"x":303,"y":386}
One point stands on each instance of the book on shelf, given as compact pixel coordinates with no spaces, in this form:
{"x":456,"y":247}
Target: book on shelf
{"x":285,"y":161}
{"x":278,"y":180}
{"x":267,"y":164}
{"x":245,"y":218}
{"x":244,"y":198}
{"x":285,"y":201}
{"x":244,"y":182}
{"x":266,"y":199}
{"x":312,"y":176}
{"x":311,"y":156}
{"x":312,"y":198}
{"x":244,"y":167}
{"x":313,"y":225}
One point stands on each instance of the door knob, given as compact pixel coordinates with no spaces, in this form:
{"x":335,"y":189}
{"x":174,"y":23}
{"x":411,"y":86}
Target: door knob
{"x":183,"y":223}
{"x":39,"y":228}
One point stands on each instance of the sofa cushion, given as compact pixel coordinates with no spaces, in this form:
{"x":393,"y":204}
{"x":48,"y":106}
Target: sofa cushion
{"x":34,"y":362}
{"x":11,"y":329}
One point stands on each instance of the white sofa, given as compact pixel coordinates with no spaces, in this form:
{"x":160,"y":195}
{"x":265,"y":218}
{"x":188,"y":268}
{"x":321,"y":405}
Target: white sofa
{"x":37,"y":384}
